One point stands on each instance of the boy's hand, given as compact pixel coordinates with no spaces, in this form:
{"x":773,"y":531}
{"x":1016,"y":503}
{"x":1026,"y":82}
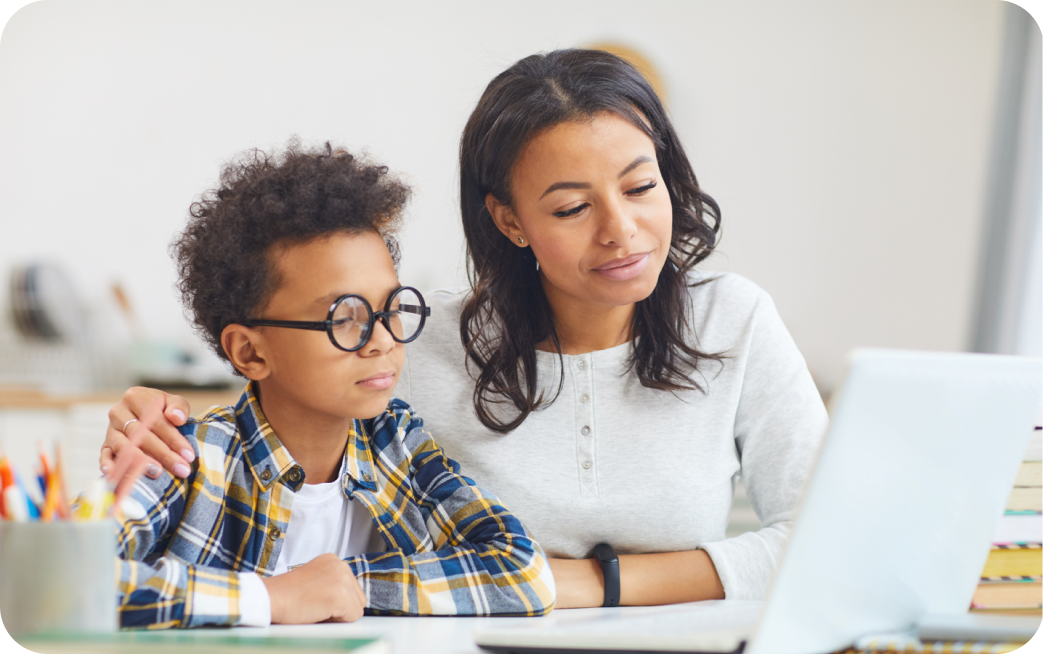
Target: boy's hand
{"x":143,"y":429}
{"x":324,"y":589}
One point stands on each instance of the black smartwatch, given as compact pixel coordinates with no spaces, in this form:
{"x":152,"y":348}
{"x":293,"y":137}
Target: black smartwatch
{"x":610,"y":564}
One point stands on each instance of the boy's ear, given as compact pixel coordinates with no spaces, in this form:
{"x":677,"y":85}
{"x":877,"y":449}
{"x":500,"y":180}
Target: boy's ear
{"x":244,"y":347}
{"x":504,"y":219}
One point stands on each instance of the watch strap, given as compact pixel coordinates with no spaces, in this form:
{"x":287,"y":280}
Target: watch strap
{"x":610,"y":564}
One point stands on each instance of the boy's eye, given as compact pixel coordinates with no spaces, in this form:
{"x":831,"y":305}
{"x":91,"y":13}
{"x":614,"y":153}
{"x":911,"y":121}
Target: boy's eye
{"x":348,"y":322}
{"x":351,"y":310}
{"x":642,"y":190}
{"x":570,"y":212}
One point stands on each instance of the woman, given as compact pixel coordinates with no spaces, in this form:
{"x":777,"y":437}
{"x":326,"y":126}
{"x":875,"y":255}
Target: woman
{"x":605,"y":390}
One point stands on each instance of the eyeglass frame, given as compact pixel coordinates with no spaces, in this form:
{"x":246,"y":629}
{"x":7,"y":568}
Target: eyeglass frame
{"x":328,"y":324}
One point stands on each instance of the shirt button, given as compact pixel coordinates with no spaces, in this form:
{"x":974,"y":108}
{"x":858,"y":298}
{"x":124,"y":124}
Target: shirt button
{"x":586,"y":430}
{"x":266,"y":474}
{"x":367,"y":478}
{"x":274,"y":533}
{"x":580,"y":364}
{"x":584,"y":398}
{"x":294,"y":476}
{"x":586,"y":465}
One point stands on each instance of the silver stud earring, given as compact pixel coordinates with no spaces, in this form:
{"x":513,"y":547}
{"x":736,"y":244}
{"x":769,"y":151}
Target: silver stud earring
{"x":521,"y":240}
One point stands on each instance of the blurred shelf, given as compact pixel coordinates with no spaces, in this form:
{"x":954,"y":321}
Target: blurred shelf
{"x":15,"y":397}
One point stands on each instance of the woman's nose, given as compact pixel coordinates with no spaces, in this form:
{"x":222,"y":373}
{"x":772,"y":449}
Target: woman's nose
{"x":617,"y":225}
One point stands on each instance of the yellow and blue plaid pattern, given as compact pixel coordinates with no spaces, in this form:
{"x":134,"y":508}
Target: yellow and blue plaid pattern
{"x":453,"y":549}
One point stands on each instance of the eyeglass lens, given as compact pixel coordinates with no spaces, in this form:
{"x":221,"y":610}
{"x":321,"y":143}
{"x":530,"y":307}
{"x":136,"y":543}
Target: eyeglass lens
{"x":351,"y":319}
{"x":405,"y":313}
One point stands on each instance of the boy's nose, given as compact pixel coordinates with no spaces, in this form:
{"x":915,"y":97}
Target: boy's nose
{"x":381,"y":340}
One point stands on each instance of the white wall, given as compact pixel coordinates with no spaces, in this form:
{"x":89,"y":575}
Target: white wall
{"x":846,"y":142}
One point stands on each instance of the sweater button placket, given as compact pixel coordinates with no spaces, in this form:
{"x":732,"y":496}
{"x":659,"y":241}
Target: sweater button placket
{"x":585,"y":425}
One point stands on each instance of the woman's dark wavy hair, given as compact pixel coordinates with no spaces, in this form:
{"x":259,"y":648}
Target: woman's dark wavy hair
{"x":225,"y":271}
{"x":507,"y":313}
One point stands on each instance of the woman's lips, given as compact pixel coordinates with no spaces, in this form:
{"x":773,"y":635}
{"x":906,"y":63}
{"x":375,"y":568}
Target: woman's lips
{"x":625,"y":267}
{"x":380,"y":381}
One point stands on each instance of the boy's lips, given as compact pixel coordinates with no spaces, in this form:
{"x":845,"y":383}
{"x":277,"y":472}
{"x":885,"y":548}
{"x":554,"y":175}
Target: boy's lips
{"x":380,"y":381}
{"x":624,"y":268}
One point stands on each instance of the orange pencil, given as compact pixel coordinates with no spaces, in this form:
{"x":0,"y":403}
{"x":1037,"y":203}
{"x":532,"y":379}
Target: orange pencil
{"x":6,"y":479}
{"x":50,"y":503}
{"x":46,"y":467}
{"x":62,"y":500}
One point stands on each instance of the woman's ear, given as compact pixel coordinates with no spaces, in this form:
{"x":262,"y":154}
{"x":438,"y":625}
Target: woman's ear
{"x":244,"y":347}
{"x":504,"y":219}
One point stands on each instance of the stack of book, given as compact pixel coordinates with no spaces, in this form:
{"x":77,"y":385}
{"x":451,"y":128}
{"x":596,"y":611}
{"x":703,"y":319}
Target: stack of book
{"x":1011,"y":580}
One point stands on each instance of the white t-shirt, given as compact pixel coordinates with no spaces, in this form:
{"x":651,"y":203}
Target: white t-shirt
{"x":643,"y":470}
{"x":323,"y":520}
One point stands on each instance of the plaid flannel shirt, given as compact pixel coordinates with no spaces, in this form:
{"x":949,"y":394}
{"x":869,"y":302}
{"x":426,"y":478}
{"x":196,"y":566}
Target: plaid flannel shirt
{"x":453,"y":549}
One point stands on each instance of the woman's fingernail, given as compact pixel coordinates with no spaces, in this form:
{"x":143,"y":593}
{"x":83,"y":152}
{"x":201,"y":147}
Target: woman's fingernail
{"x":179,"y":413}
{"x":181,"y":470}
{"x":188,"y":455}
{"x":152,"y":470}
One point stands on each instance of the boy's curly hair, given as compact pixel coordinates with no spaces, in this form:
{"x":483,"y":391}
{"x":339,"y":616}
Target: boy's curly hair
{"x":225,"y":275}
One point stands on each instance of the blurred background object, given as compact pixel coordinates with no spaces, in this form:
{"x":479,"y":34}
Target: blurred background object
{"x":57,"y":343}
{"x":51,"y":341}
{"x":1007,"y":317}
{"x":45,"y":305}
{"x":639,"y":61}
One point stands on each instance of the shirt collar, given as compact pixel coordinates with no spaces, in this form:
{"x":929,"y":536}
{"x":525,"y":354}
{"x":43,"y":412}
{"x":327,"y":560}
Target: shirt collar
{"x":269,"y":460}
{"x":360,"y":459}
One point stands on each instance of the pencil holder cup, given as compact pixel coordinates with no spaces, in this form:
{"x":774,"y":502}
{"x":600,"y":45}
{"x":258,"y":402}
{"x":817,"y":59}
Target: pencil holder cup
{"x":58,"y":577}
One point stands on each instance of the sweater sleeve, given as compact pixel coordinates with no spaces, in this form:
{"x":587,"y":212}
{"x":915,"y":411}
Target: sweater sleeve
{"x":780,"y":422}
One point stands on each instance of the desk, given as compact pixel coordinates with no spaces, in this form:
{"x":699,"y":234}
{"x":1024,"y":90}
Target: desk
{"x":431,"y":635}
{"x":408,"y":635}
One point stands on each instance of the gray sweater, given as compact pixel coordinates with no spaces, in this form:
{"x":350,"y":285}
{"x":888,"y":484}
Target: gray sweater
{"x":644,"y":470}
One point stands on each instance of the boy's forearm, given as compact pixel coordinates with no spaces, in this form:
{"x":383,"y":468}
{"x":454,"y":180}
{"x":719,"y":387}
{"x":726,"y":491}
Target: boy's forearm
{"x":473,"y":530}
{"x":502,"y":580}
{"x":157,"y":595}
{"x":459,"y":537}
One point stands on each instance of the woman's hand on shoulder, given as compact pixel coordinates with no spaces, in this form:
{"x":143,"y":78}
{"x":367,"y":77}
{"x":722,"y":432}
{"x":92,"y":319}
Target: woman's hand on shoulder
{"x":143,"y":435}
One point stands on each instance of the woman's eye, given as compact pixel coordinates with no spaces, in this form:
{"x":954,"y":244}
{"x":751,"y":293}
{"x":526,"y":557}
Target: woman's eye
{"x":569,"y":212}
{"x":642,"y":190}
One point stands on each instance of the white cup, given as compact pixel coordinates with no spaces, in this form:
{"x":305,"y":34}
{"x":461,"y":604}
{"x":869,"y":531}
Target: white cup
{"x":58,"y":577}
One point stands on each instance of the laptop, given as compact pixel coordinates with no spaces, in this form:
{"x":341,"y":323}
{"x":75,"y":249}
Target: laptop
{"x":894,"y":527}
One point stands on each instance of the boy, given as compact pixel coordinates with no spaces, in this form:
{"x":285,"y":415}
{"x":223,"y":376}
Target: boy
{"x":318,"y":495}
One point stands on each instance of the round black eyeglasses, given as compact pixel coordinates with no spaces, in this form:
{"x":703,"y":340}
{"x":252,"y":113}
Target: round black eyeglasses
{"x":350,"y":322}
